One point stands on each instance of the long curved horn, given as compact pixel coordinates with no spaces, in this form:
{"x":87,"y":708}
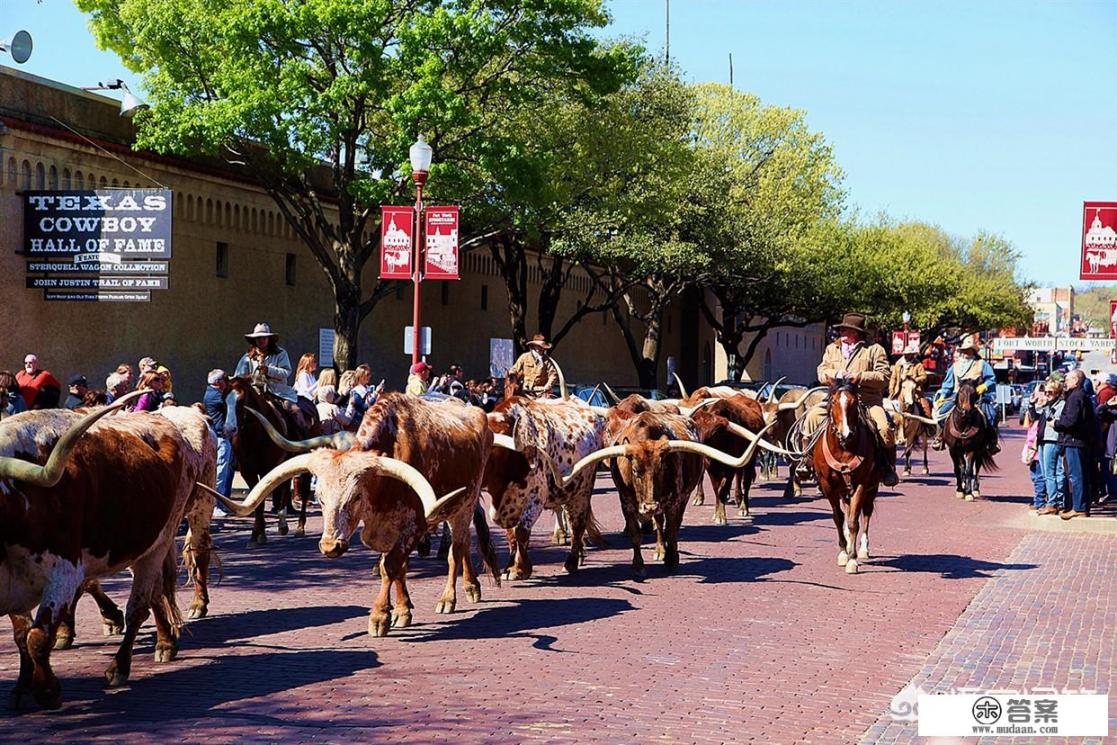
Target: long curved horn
{"x":612,"y":394}
{"x":751,"y":437}
{"x":772,"y":391}
{"x":689,"y":410}
{"x":563,"y":393}
{"x":613,"y":451}
{"x":918,"y":418}
{"x":339,"y":441}
{"x":50,"y":473}
{"x":804,"y":397}
{"x":682,"y":388}
{"x":271,"y":481}
{"x":713,"y":453}
{"x":505,"y":441}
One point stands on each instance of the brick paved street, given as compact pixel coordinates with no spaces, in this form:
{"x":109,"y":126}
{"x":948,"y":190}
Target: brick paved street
{"x":760,"y":637}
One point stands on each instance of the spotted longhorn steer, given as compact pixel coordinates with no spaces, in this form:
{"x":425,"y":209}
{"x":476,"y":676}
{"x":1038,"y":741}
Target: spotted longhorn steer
{"x":405,"y":447}
{"x":77,"y":502}
{"x":521,"y":482}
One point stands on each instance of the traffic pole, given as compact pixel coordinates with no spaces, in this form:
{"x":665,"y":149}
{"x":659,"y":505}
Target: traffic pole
{"x":416,"y":276}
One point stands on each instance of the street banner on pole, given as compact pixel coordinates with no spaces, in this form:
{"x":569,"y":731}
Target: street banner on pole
{"x":442,"y":243}
{"x":397,"y":226}
{"x":1113,"y":319}
{"x":898,"y":342}
{"x":1099,"y":240}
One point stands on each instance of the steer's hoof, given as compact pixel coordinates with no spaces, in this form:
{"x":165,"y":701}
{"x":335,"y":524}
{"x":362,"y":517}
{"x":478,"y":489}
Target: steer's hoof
{"x":516,"y":573}
{"x":198,"y":611}
{"x":115,"y":677}
{"x":378,"y":625}
{"x":976,"y":494}
{"x":851,"y":566}
{"x":639,"y":572}
{"x":283,"y":527}
{"x":699,"y":501}
{"x":745,"y":516}
{"x":15,"y":698}
{"x":300,"y":531}
{"x":63,"y":641}
{"x":257,"y":540}
{"x":112,"y":628}
{"x":571,"y":564}
{"x":165,"y":652}
{"x":843,"y":558}
{"x":926,"y":471}
{"x":862,"y":554}
{"x":960,"y":494}
{"x":720,"y":519}
{"x":49,"y":696}
{"x":446,"y":605}
{"x":559,"y":538}
{"x":400,"y":619}
{"x":473,"y":592}
{"x":969,"y":497}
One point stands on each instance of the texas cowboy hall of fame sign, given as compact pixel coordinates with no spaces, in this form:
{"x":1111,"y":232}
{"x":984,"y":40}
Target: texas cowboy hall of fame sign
{"x":1099,"y":240}
{"x":107,"y":245}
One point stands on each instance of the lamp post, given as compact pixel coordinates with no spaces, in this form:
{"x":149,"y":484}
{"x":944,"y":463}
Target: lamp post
{"x":19,"y":45}
{"x":129,"y":105}
{"x":420,"y":154}
{"x":907,"y":326}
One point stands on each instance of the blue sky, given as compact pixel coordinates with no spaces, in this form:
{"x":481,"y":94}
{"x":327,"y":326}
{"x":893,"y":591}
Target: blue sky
{"x":969,"y":114}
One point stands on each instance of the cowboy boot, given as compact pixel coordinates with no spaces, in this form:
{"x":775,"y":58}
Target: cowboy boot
{"x":887,"y":466}
{"x":937,"y":443}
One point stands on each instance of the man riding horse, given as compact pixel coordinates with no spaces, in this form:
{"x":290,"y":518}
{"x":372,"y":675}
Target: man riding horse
{"x":910,"y":368}
{"x":269,"y":367}
{"x":851,"y":358}
{"x":970,"y":366}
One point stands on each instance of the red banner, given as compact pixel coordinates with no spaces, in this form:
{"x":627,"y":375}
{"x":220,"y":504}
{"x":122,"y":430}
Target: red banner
{"x":397,"y":228}
{"x":1099,"y":240}
{"x":442,"y":243}
{"x":903,"y":339}
{"x":1113,"y":319}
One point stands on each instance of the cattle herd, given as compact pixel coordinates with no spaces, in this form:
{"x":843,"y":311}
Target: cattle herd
{"x":87,"y":494}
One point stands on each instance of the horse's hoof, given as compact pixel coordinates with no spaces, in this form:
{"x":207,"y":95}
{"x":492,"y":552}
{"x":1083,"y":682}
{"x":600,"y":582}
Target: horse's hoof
{"x":49,"y":696}
{"x":639,"y":572}
{"x":283,"y":528}
{"x":851,"y":566}
{"x":746,"y":517}
{"x":63,"y":641}
{"x":720,"y":520}
{"x":969,"y":497}
{"x":111,"y":628}
{"x":473,"y":592}
{"x":445,"y":606}
{"x":114,"y":677}
{"x":960,"y":495}
{"x":977,"y":495}
{"x":379,"y":624}
{"x":699,"y":501}
{"x":401,"y":620}
{"x":862,"y":554}
{"x":300,"y":531}
{"x":199,"y":611}
{"x":166,"y":653}
{"x":926,"y":471}
{"x":843,"y":558}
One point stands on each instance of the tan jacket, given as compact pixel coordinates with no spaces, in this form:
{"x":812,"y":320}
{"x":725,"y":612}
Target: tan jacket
{"x":538,"y":379}
{"x":900,"y":372}
{"x":870,"y":361}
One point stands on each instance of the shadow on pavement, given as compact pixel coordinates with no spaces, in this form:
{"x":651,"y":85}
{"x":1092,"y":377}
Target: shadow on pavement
{"x":950,"y":566}
{"x":718,"y":570}
{"x":219,"y":629}
{"x":521,"y":617}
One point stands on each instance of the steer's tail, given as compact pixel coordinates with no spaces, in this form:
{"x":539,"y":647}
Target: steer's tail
{"x":593,"y":530}
{"x":167,"y":591}
{"x":485,"y":541}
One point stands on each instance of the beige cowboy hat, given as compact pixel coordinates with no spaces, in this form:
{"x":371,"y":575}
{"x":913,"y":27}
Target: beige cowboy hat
{"x":969,"y":341}
{"x":852,"y":321}
{"x":911,"y":348}
{"x":539,"y":341}
{"x":261,"y":331}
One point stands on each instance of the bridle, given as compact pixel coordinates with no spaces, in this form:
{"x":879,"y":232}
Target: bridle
{"x":844,"y":468}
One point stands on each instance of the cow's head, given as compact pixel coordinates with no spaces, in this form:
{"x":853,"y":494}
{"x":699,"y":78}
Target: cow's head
{"x":656,"y":472}
{"x":515,"y":473}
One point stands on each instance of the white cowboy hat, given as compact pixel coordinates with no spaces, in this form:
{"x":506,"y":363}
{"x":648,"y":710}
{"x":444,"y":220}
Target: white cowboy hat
{"x":969,"y":341}
{"x":911,"y":348}
{"x":261,"y":331}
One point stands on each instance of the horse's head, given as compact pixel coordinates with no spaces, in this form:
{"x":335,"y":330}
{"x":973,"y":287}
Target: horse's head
{"x":513,"y":385}
{"x":845,"y":402}
{"x":908,"y":394}
{"x":967,"y":397}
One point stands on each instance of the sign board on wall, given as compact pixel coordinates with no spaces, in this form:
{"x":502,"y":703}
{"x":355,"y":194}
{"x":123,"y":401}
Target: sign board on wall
{"x":1002,"y":345}
{"x":326,"y":347}
{"x":441,"y":260}
{"x":1099,"y":241}
{"x":501,"y":357}
{"x":397,"y":227}
{"x":85,"y":240}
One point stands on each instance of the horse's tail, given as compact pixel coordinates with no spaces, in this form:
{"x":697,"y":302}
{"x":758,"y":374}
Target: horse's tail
{"x":983,"y":455}
{"x":485,"y":541}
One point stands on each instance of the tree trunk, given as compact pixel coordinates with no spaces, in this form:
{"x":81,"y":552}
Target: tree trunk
{"x":645,"y":352}
{"x":754,"y":345}
{"x":347,"y":325}
{"x":512,"y":261}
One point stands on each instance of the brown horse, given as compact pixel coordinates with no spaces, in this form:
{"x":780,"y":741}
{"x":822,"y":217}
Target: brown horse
{"x":845,"y":462}
{"x":257,"y":455}
{"x":915,"y":431}
{"x":971,"y":440}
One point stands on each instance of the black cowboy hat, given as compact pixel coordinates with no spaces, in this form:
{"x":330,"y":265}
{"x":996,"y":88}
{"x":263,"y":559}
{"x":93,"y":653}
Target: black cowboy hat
{"x":852,"y":321}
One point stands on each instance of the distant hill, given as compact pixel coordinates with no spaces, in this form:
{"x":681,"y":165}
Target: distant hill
{"x":1092,"y":303}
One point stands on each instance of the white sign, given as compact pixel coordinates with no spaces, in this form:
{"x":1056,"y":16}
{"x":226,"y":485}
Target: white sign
{"x":1028,"y":715}
{"x":501,"y":353}
{"x":1004,"y":394}
{"x":326,"y":347}
{"x":424,"y":341}
{"x":1001,"y":345}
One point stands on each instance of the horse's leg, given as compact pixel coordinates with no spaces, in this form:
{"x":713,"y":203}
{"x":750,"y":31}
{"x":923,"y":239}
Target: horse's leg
{"x":926,"y":469}
{"x":967,"y":476}
{"x":302,"y":488}
{"x":958,"y":460}
{"x":867,"y":503}
{"x":258,"y":538}
{"x":853,"y":525}
{"x":445,"y":540}
{"x":839,"y":523}
{"x":974,"y":480}
{"x":280,"y":502}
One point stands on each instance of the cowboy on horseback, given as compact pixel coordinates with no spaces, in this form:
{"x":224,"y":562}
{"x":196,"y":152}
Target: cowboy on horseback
{"x":851,"y":358}
{"x":269,"y":367}
{"x":910,"y":368}
{"x":969,"y":366}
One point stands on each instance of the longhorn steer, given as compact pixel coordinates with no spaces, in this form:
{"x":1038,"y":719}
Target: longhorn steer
{"x":521,"y":481}
{"x":78,"y":502}
{"x":380,"y":481}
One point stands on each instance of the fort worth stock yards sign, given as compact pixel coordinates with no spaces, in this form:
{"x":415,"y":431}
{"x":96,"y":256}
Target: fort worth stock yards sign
{"x":110,"y":245}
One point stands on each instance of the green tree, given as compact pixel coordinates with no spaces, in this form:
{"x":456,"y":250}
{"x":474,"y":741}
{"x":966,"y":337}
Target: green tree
{"x":318,"y":101}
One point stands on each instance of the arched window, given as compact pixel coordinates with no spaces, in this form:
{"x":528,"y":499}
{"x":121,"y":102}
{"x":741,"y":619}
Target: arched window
{"x":12,"y":171}
{"x":40,"y":177}
{"x":189,"y":206}
{"x":52,"y":179}
{"x":67,"y":179}
{"x":126,"y":185}
{"x":255,"y":220}
{"x":104,"y":183}
{"x":116,"y":183}
{"x":767,"y":364}
{"x":228,"y":215}
{"x":236,"y":216}
{"x":26,"y":174}
{"x":209,"y":211}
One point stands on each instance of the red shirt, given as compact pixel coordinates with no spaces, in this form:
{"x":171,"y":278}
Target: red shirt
{"x":30,"y":385}
{"x":1105,"y":393}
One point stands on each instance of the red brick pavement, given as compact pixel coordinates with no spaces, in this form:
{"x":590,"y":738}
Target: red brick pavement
{"x":760,"y":637}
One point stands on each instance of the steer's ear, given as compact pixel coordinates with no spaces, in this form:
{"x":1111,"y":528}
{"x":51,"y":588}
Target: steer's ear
{"x":447,"y":506}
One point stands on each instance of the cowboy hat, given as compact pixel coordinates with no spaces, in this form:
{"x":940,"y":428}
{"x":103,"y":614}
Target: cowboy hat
{"x":911,"y":348}
{"x":969,"y":341}
{"x":539,"y":341}
{"x":261,"y":331}
{"x":852,"y":321}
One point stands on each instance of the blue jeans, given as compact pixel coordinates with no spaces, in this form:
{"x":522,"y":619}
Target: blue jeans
{"x":224,"y":466}
{"x":1054,"y":474}
{"x":1109,"y":477}
{"x":1039,"y":484}
{"x":1078,"y":465}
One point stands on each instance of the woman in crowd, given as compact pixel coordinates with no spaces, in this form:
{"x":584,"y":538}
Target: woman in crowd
{"x":1031,"y":456}
{"x":153,"y":399}
{"x":332,"y":417}
{"x":11,"y":402}
{"x":1051,"y":454}
{"x":305,"y":382}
